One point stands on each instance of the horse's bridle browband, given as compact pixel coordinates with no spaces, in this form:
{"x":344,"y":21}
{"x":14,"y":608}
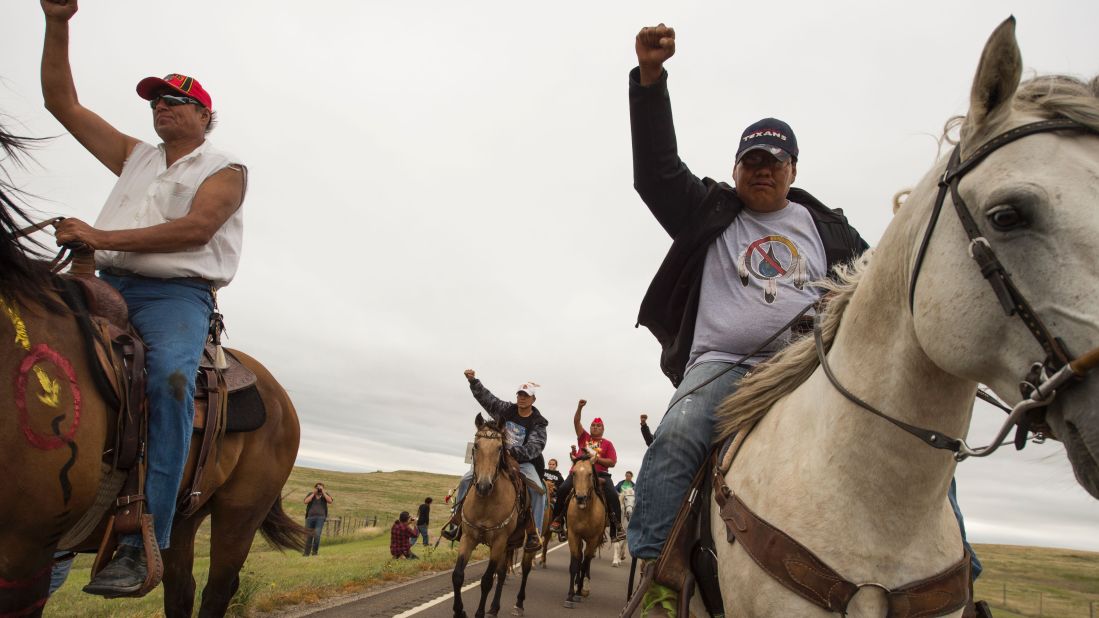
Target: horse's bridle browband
{"x":1039,"y":392}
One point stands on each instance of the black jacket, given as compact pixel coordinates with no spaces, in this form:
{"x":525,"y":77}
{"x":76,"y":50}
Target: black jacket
{"x":695,"y":212}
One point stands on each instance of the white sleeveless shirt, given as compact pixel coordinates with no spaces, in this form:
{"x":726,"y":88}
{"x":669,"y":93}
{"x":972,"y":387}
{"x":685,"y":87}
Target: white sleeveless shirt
{"x":149,"y":193}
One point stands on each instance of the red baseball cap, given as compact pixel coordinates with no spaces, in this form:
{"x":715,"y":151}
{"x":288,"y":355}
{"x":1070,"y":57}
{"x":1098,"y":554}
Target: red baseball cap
{"x":150,"y":87}
{"x":597,"y":421}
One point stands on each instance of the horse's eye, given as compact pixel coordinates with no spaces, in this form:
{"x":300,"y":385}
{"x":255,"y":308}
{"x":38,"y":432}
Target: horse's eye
{"x":1005,"y":218}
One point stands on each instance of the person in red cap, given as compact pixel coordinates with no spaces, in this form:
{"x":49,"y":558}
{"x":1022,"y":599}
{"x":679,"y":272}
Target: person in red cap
{"x":168,"y":236}
{"x":604,"y":457}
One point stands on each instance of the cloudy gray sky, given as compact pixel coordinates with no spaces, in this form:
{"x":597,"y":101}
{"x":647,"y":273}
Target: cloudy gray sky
{"x":440,"y":185}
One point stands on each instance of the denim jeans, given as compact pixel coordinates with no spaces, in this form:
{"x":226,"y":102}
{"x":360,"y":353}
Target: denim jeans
{"x":975,"y":567}
{"x":679,"y":447}
{"x":423,"y":532}
{"x":315,"y":525}
{"x":538,"y":502}
{"x":60,"y":571}
{"x":173,"y":318}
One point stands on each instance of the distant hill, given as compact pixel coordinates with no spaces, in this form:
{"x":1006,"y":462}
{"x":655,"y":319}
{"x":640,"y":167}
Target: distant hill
{"x":366,"y":494}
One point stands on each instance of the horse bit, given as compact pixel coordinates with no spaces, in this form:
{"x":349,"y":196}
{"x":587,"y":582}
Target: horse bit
{"x":1039,"y":387}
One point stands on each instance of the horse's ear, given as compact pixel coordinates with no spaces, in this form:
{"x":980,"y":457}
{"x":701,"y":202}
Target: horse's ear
{"x":998,"y":76}
{"x":479,"y":421}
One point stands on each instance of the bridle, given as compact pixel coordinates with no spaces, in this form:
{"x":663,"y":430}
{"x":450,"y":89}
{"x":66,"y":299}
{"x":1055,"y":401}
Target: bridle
{"x":491,"y":434}
{"x":1057,"y":369}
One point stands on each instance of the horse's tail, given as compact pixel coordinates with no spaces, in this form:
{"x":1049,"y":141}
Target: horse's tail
{"x":282,"y":532}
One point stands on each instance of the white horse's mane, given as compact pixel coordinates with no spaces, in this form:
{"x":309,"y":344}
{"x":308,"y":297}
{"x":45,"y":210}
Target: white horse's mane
{"x":1048,"y":96}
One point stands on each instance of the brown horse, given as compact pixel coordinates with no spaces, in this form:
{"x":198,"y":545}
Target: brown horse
{"x":57,"y":428}
{"x":587,"y":517}
{"x":490,"y":516}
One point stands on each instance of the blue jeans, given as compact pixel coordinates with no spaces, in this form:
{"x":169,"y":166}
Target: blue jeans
{"x":537,"y":501}
{"x":173,"y":318}
{"x":975,"y":567}
{"x":314,"y":525}
{"x":679,"y":447}
{"x":423,"y":532}
{"x":60,"y":571}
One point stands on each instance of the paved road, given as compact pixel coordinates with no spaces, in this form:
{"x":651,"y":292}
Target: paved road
{"x":432,"y":597}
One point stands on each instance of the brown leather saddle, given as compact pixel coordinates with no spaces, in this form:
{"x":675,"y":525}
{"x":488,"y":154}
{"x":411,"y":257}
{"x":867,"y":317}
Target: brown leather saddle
{"x":115,"y":350}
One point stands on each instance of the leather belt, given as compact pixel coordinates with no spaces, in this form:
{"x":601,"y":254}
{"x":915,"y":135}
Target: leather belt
{"x":119,"y":272}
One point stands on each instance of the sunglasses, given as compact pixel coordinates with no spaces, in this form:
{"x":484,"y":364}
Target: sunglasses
{"x":172,"y":100}
{"x":758,"y":158}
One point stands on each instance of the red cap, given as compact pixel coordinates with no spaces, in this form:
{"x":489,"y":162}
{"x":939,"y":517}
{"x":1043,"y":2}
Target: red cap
{"x":150,"y":87}
{"x":596,"y":420}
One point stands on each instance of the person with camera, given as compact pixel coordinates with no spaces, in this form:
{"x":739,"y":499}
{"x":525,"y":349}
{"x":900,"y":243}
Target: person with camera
{"x":316,"y":513}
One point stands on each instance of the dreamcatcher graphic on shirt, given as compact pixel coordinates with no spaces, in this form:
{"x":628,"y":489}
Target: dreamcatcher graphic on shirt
{"x":771,"y":259}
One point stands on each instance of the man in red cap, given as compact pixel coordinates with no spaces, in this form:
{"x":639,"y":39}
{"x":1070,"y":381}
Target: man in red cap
{"x":603,"y":457}
{"x":168,"y":236}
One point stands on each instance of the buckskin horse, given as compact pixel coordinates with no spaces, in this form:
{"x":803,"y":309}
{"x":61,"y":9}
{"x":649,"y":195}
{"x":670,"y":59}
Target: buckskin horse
{"x":587,"y":517}
{"x":491,"y":516}
{"x":837,"y":498}
{"x":56,"y":430}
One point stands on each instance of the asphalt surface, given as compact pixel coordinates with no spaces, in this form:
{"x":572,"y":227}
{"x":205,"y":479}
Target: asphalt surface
{"x":433,"y":596}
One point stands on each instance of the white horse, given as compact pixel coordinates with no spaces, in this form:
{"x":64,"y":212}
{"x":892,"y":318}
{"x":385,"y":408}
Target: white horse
{"x":913,"y":337}
{"x":618,"y":549}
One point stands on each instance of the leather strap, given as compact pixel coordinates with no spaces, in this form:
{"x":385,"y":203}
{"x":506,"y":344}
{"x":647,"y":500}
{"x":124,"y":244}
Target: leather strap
{"x":217,"y":409}
{"x":802,"y":572}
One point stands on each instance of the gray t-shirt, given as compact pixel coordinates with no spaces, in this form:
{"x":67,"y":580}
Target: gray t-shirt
{"x":754,"y":281}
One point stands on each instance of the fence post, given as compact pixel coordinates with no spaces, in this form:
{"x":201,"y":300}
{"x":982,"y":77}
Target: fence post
{"x":1091,"y":607}
{"x":375,"y":524}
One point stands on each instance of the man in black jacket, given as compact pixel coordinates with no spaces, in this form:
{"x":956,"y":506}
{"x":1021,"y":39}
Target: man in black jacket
{"x":738,"y":270}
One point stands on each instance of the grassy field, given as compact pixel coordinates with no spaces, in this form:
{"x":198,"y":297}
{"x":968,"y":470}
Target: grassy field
{"x":1034,"y":581}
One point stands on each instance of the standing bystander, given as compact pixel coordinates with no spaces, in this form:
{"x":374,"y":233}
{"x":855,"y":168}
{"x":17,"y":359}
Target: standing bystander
{"x":316,"y":513}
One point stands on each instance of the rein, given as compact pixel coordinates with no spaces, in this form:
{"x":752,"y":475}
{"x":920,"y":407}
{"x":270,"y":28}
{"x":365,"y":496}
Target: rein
{"x":64,"y":255}
{"x":1040,"y":387}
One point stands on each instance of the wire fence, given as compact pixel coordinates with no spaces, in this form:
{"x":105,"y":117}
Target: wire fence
{"x":1029,"y":602}
{"x":337,"y":526}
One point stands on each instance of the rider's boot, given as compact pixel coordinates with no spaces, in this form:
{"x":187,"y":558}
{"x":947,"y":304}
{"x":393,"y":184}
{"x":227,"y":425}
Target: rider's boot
{"x":617,"y":532}
{"x":123,"y":575}
{"x":659,"y":601}
{"x":452,"y":530}
{"x":533,"y":542}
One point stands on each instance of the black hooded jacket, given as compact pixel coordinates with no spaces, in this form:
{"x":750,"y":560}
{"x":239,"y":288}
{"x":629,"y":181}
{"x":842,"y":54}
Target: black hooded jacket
{"x":695,"y":212}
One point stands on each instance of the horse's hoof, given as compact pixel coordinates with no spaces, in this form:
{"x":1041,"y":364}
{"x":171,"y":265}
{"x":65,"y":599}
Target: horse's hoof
{"x":614,"y":564}
{"x":517,"y":611}
{"x":569,"y":604}
{"x":585,"y":592}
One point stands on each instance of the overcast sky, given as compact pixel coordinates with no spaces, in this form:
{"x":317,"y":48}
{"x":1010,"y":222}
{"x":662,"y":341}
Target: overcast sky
{"x":443,"y":185}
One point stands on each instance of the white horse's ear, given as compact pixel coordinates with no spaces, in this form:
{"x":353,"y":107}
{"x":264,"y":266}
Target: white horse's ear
{"x":479,"y":421}
{"x":998,"y":76}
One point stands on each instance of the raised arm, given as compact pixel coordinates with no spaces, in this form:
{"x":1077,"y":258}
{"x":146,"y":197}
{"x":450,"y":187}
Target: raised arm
{"x":660,"y":177}
{"x":576,"y":417}
{"x":105,"y":142}
{"x":646,"y":433}
{"x":491,"y":403}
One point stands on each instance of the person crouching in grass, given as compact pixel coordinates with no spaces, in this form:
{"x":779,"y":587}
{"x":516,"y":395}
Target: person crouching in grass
{"x":401,"y":536}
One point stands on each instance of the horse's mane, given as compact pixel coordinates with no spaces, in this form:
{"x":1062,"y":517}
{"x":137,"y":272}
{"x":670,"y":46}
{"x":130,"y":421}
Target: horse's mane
{"x":22,"y":274}
{"x":1049,"y":96}
{"x":785,"y":371}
